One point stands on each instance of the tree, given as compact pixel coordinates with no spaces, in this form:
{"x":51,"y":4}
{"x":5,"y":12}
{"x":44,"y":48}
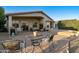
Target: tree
{"x":2,"y":18}
{"x":60,"y":25}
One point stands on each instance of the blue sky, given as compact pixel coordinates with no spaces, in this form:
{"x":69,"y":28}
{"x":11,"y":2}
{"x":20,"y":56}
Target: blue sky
{"x":55,"y":12}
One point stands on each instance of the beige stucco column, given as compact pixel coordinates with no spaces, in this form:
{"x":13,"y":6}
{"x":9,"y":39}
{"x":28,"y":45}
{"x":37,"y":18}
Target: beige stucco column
{"x":9,"y":23}
{"x":20,"y":29}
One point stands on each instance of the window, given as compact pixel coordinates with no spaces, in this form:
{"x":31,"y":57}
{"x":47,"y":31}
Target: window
{"x":47,"y":26}
{"x":41,"y":26}
{"x":35,"y":24}
{"x":15,"y":25}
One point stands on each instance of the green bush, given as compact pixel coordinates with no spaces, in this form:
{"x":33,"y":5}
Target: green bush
{"x":69,"y":24}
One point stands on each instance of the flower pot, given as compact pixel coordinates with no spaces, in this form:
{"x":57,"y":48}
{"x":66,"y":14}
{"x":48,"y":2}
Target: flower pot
{"x":11,"y":45}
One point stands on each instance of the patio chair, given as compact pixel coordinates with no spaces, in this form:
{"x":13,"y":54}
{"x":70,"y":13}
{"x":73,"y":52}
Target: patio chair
{"x":36,"y":43}
{"x":51,"y":41}
{"x":51,"y":37}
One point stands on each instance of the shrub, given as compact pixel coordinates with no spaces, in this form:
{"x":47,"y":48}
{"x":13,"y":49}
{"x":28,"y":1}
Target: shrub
{"x":69,"y":24}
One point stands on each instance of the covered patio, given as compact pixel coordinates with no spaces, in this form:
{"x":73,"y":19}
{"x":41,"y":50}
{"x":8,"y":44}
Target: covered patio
{"x":27,"y":23}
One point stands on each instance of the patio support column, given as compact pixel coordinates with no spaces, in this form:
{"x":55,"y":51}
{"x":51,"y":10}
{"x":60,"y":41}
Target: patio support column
{"x":49,"y":26}
{"x":54,"y":25}
{"x":20,"y":26}
{"x":9,"y":23}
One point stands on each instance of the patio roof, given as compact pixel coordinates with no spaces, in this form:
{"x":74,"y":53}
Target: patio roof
{"x":29,"y":17}
{"x":19,"y":13}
